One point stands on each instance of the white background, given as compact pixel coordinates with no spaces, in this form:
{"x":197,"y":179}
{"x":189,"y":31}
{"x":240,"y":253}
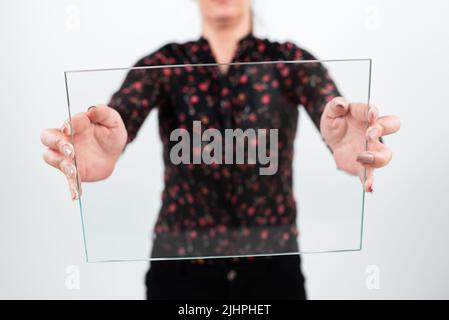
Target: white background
{"x":406,"y":238}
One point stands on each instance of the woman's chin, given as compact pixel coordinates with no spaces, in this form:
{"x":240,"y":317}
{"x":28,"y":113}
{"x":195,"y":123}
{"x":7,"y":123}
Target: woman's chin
{"x":224,"y":19}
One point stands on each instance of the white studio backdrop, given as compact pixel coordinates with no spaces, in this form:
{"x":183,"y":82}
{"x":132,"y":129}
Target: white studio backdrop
{"x":407,"y":218}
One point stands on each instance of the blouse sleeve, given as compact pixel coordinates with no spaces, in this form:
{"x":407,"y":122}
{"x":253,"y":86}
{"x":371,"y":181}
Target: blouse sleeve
{"x":312,"y":86}
{"x":141,"y":91}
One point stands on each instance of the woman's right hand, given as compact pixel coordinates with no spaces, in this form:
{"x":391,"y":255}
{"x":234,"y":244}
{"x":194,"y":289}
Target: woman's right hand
{"x":99,"y":136}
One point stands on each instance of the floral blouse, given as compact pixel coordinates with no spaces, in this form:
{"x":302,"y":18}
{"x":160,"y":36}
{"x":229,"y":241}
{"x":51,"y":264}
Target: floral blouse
{"x":223,"y":209}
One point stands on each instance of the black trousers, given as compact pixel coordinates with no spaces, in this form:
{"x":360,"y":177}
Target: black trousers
{"x":277,"y":277}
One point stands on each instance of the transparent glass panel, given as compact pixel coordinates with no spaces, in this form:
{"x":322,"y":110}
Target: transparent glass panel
{"x":224,"y":160}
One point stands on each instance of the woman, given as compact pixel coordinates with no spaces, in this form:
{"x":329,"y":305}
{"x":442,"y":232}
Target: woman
{"x":102,"y":132}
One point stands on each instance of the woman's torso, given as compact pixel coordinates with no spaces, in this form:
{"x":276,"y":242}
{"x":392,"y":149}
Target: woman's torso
{"x":230,"y":209}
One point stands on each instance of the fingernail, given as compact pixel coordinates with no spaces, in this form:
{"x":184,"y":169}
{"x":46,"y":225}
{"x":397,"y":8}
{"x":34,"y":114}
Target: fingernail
{"x":365,"y":158}
{"x":90,"y":108}
{"x":371,"y":114}
{"x":67,"y":149}
{"x":69,"y":170}
{"x":66,"y":128}
{"x":372,"y":134}
{"x":75,"y":194}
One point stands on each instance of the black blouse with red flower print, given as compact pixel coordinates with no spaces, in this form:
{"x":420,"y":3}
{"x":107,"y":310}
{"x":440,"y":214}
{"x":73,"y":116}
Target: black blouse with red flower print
{"x":222,"y":209}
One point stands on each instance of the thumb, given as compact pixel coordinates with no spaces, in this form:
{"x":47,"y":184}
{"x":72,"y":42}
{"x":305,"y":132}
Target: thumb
{"x":103,"y":115}
{"x":336,"y":108}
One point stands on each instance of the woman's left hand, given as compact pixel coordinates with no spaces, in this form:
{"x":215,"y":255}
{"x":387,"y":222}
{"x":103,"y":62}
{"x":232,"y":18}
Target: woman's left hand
{"x":344,"y":128}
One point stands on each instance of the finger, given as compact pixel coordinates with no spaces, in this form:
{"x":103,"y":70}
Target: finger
{"x":382,"y":127}
{"x":373,"y":114}
{"x":103,"y":115}
{"x":69,"y":169}
{"x":53,"y":158}
{"x":337,"y":107}
{"x":75,"y":192}
{"x":56,"y":140}
{"x":363,"y":112}
{"x":375,"y":159}
{"x":389,"y":124}
{"x":77,"y":124}
{"x":58,"y":161}
{"x":374,"y":132}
